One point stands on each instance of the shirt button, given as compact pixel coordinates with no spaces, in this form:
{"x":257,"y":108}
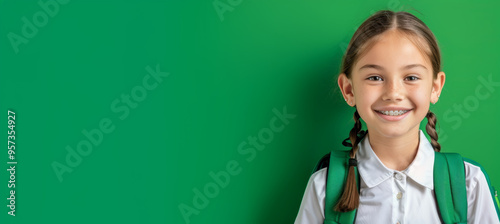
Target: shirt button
{"x":398,"y":176}
{"x":399,"y":195}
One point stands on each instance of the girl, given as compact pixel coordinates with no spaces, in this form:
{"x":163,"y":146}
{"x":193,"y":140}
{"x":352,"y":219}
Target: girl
{"x":391,"y":71}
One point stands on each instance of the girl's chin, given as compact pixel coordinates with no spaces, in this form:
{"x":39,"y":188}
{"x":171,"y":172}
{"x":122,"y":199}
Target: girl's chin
{"x":393,"y":131}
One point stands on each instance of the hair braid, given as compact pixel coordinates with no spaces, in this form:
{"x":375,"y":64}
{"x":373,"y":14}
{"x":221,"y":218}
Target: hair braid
{"x":431,"y":130}
{"x":350,"y":197}
{"x":353,"y":134}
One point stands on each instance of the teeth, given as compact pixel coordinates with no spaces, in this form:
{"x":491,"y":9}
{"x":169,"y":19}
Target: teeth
{"x":393,"y":112}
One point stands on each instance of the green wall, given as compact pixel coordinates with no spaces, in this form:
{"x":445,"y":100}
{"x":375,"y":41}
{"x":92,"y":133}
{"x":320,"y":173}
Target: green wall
{"x":172,"y":93}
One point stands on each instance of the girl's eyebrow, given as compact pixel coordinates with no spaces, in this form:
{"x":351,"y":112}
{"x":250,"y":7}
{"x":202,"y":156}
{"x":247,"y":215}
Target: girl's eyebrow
{"x":378,"y":67}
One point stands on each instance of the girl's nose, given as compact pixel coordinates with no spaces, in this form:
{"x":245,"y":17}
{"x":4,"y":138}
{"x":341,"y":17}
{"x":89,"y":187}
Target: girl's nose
{"x":394,"y":91}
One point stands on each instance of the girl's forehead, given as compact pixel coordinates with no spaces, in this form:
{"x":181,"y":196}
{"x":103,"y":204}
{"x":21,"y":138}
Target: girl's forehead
{"x":393,"y":50}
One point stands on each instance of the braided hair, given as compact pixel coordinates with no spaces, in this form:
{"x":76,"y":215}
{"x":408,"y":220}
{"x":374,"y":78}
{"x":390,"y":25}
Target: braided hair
{"x":350,"y":197}
{"x":430,"y":128}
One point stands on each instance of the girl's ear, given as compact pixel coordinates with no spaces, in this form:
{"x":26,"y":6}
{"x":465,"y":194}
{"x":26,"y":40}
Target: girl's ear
{"x":437,"y":86}
{"x":345,"y":86}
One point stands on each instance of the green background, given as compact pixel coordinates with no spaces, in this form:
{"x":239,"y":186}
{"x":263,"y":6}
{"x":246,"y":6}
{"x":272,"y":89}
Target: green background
{"x":226,"y":74}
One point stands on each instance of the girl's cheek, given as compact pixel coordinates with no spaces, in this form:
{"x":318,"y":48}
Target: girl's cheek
{"x":370,"y":93}
{"x":421,"y":95}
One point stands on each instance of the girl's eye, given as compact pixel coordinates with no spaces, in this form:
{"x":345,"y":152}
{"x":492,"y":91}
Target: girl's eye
{"x":412,"y":78}
{"x":374,"y":78}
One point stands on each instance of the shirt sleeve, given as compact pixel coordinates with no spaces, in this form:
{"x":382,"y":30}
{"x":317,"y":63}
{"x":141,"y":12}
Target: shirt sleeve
{"x":481,"y":208}
{"x":311,"y":209}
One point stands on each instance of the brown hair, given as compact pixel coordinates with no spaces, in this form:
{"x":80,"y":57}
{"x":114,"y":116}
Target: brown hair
{"x":363,"y":39}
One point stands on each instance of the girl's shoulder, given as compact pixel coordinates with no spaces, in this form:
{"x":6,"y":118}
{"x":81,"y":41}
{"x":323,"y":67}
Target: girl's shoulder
{"x":317,"y":180}
{"x":481,"y":196}
{"x":475,"y":174}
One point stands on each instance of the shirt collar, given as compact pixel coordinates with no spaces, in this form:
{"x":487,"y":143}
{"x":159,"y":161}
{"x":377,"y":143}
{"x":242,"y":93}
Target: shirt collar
{"x":374,"y":172}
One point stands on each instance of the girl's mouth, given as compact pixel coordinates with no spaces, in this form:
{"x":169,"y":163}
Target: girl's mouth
{"x":392,"y":112}
{"x":392,"y":115}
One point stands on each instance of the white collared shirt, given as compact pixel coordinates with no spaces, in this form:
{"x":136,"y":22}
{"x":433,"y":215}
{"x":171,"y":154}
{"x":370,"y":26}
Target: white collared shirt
{"x":391,"y":196}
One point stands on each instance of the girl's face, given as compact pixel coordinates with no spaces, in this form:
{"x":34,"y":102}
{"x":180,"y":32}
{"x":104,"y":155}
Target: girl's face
{"x":391,"y":86}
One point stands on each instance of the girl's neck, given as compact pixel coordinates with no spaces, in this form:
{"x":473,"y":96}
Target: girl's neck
{"x":395,"y":153}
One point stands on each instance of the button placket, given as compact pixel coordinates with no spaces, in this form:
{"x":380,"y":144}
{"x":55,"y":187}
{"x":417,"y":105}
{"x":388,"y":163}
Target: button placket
{"x":399,"y":195}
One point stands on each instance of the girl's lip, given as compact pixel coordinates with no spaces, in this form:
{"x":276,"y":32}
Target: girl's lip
{"x":392,"y":118}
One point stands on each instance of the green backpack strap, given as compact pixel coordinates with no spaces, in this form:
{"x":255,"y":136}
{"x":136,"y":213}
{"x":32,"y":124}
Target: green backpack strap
{"x":336,"y":177}
{"x":449,"y":187}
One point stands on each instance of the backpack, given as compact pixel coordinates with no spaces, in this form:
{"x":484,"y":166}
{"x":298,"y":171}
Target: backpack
{"x":449,"y":186}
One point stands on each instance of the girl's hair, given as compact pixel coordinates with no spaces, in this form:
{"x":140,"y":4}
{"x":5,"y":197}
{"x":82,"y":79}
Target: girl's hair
{"x":363,"y":39}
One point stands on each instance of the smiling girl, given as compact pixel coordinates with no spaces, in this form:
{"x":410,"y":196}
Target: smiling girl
{"x":390,"y":74}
